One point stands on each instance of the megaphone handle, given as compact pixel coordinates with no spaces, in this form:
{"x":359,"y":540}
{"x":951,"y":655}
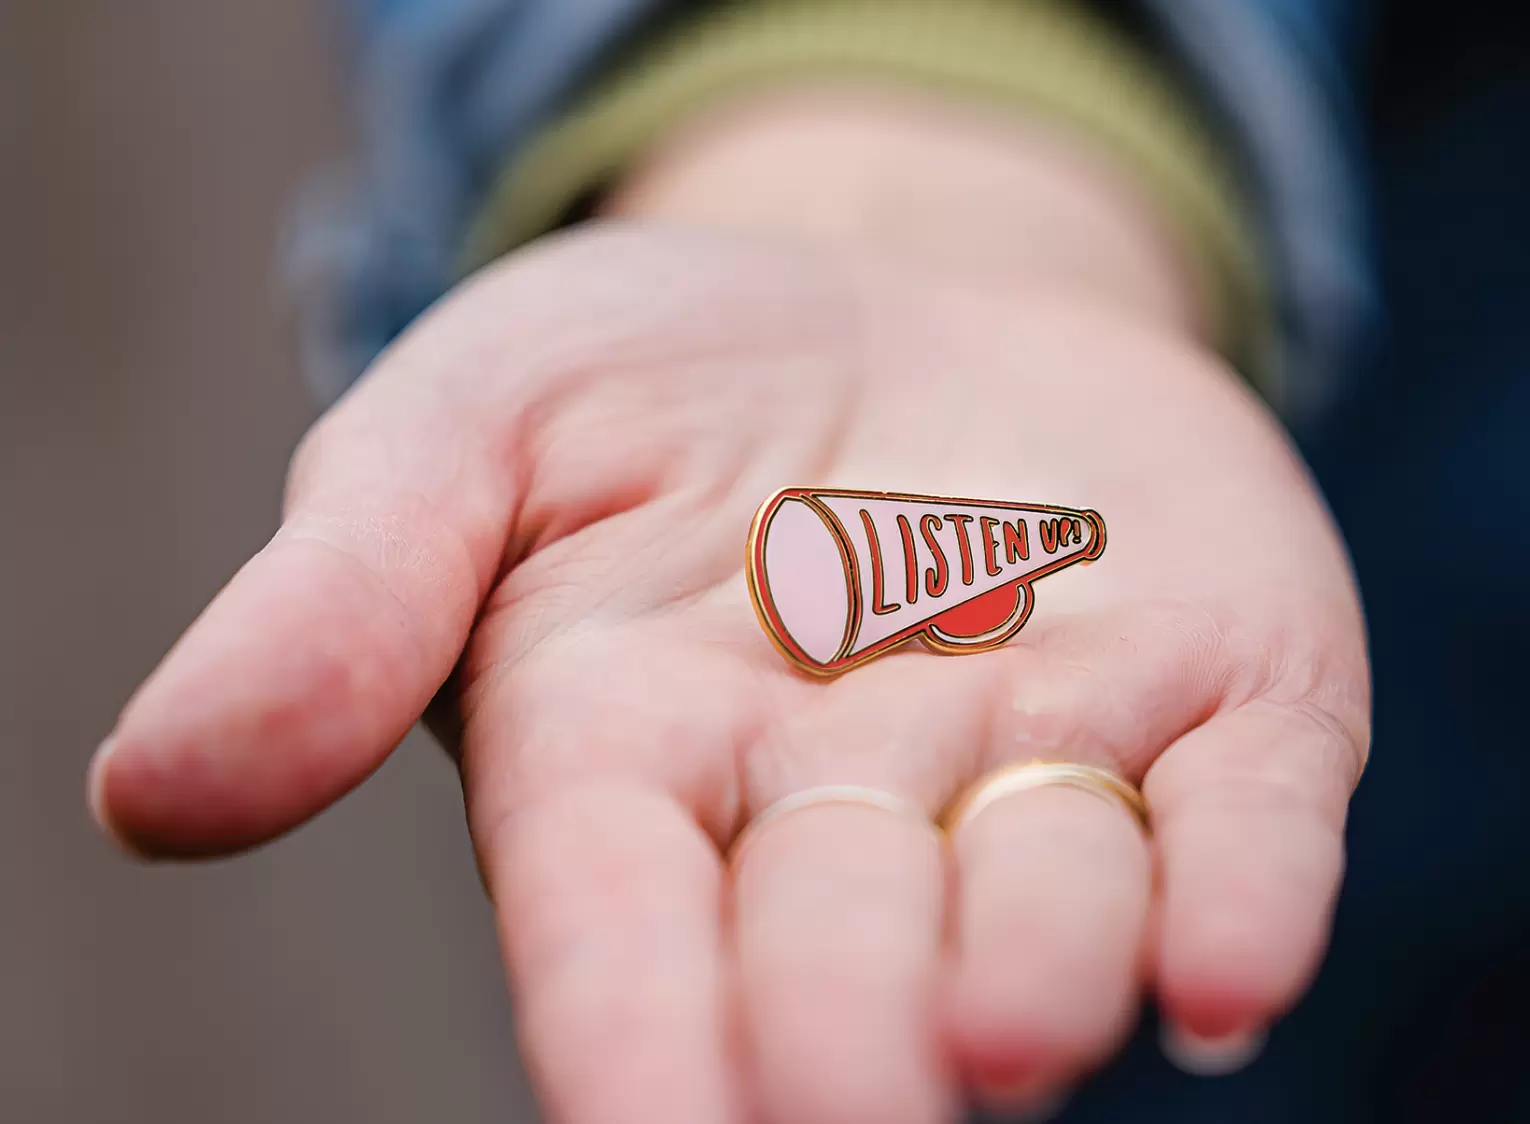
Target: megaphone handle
{"x":983,"y":622}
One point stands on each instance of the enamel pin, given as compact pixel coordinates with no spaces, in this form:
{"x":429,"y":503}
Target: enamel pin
{"x":840,"y":577}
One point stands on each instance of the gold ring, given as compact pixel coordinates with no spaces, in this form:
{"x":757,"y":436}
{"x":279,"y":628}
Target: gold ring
{"x":1035,"y":774}
{"x":864,"y":795}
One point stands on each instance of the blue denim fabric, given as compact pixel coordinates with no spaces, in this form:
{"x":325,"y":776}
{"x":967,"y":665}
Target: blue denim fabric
{"x":1278,"y":72}
{"x":447,"y":91}
{"x":450,"y":90}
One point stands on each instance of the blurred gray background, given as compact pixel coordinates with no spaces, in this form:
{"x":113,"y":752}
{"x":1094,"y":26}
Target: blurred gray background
{"x":149,"y":397}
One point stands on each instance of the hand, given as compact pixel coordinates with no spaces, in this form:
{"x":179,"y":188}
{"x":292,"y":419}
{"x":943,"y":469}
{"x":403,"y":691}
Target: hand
{"x":552,"y":478}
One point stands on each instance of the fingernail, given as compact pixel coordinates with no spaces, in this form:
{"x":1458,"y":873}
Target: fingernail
{"x":95,"y":794}
{"x":1210,"y":1057}
{"x":1025,"y":1102}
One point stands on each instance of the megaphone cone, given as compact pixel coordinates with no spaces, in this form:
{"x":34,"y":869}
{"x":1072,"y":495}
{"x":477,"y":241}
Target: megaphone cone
{"x":838,"y":577}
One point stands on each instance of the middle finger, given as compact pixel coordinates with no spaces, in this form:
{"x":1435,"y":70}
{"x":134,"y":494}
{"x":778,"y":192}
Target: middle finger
{"x":838,"y":907}
{"x":1051,"y":902}
{"x":837,"y":921}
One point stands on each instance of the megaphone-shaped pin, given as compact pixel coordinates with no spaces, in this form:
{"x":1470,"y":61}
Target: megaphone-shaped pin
{"x":838,"y":577}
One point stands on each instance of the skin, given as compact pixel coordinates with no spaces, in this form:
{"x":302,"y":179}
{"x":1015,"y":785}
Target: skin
{"x":546,"y":485}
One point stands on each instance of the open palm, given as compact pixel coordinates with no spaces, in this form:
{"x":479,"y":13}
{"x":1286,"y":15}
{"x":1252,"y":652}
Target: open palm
{"x":547,"y":485}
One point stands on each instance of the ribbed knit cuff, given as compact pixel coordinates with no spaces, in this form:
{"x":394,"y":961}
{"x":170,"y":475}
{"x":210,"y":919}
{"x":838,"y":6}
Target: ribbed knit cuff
{"x":1038,"y":56}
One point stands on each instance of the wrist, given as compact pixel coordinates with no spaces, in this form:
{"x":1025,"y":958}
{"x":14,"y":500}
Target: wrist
{"x":1003,"y":198}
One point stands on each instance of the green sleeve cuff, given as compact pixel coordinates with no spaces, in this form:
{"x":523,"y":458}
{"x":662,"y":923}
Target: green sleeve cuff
{"x":1040,"y":56}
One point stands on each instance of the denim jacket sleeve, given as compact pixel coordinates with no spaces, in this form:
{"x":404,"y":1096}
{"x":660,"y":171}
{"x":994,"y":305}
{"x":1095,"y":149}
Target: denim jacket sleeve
{"x":449,"y":90}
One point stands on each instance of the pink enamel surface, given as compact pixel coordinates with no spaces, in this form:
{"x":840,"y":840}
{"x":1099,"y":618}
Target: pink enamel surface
{"x":806,"y":579}
{"x":884,"y":514}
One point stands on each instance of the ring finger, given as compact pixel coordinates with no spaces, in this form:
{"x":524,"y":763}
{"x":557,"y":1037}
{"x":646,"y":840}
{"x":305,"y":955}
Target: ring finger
{"x":1051,"y":902}
{"x":839,"y":901}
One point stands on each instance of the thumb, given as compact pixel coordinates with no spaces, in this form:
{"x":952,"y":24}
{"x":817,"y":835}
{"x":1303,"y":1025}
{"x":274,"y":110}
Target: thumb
{"x":315,"y":660}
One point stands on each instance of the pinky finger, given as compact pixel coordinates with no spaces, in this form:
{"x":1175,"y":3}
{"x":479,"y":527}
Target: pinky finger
{"x":1249,"y":819}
